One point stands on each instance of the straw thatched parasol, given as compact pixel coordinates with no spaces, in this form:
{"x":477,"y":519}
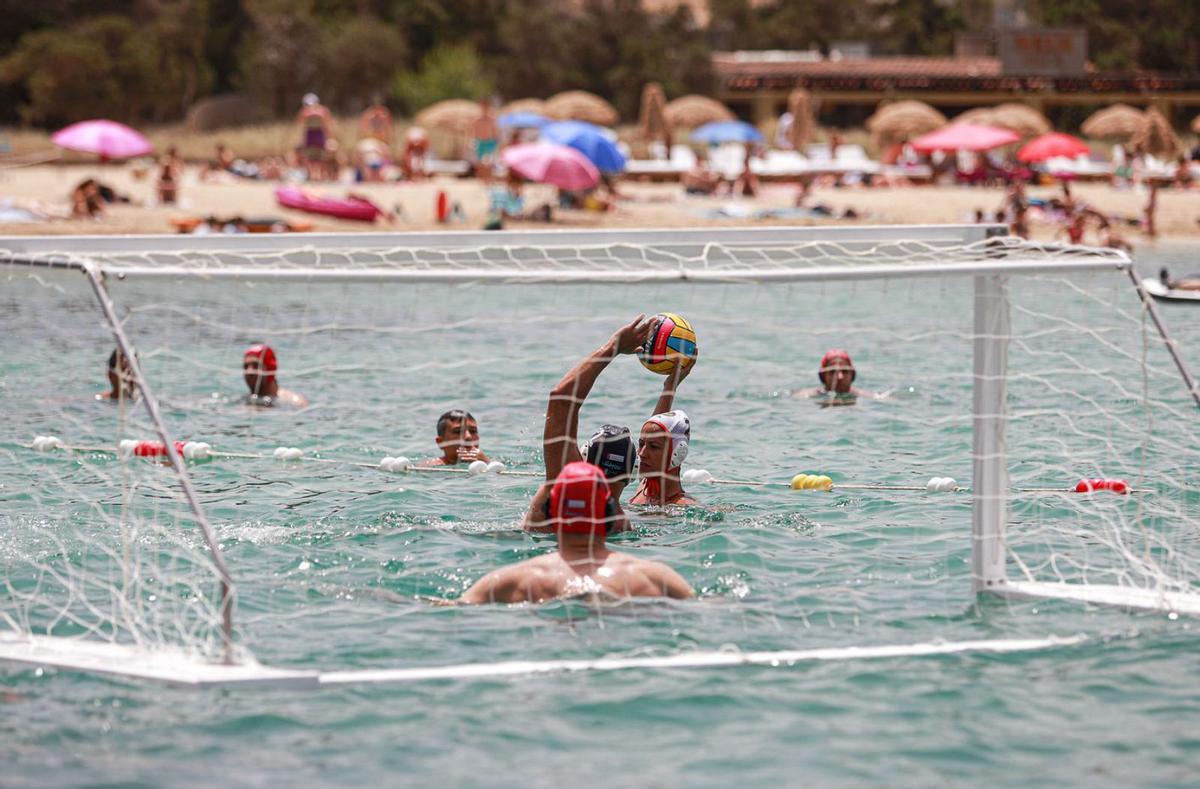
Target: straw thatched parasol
{"x":800,"y":106}
{"x":1020,"y":118}
{"x":1156,"y":136}
{"x":695,"y":110}
{"x":652,"y":117}
{"x":454,"y":115}
{"x":536,"y":106}
{"x":903,"y":120}
{"x":579,"y":105}
{"x":1118,"y":122}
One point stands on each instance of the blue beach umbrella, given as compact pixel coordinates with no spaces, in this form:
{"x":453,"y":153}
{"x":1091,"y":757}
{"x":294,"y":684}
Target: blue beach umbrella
{"x":590,"y":140}
{"x":522,"y":120}
{"x":718,"y":132}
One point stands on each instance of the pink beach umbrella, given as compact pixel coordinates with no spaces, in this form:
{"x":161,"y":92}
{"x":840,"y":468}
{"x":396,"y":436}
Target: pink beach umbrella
{"x":1048,"y":146}
{"x":109,"y":139}
{"x":964,"y":137}
{"x":548,"y":163}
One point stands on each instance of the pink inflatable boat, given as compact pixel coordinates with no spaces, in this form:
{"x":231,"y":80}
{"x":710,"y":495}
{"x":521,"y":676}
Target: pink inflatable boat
{"x":357,"y":209}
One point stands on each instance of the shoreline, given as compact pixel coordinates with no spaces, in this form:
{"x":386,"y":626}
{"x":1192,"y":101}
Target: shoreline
{"x":645,"y":205}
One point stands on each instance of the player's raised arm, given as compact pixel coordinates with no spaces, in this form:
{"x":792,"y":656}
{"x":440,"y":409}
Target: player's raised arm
{"x":560,"y":443}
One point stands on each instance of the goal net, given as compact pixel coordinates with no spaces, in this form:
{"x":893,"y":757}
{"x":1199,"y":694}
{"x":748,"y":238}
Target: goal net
{"x":1018,"y":428}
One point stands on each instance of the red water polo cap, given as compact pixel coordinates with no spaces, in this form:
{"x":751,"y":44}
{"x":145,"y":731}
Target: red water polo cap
{"x":264,"y":354}
{"x":834,"y":355}
{"x":578,"y":499}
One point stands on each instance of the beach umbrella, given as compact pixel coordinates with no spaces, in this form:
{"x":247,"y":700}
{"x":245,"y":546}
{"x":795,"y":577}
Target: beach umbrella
{"x":536,"y":106}
{"x":695,"y":110}
{"x":551,"y":163}
{"x":1048,"y":146}
{"x":1118,"y":122}
{"x":727,"y":131}
{"x":589,"y":140}
{"x":652,"y":117}
{"x":1156,"y":136}
{"x":522,"y":119}
{"x":964,"y":137}
{"x":1021,"y":118}
{"x":109,"y":139}
{"x":800,"y":106}
{"x":579,"y":105}
{"x":453,"y":115}
{"x":903,"y":120}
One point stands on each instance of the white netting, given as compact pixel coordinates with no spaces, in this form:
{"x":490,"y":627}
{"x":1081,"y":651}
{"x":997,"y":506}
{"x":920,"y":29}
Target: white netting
{"x":109,"y":549}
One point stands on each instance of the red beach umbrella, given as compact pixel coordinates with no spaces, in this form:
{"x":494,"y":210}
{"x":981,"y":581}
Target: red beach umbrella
{"x":964,"y":137}
{"x":1048,"y":146}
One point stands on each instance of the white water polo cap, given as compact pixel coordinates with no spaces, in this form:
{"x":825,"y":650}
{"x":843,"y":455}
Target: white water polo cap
{"x":679,"y":428}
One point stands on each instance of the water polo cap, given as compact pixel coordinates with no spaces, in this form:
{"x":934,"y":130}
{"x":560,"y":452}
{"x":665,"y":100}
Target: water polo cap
{"x":265,"y":356}
{"x":611,"y":449}
{"x":827,"y":363}
{"x":679,"y":428}
{"x":310,"y":99}
{"x":580,"y":501}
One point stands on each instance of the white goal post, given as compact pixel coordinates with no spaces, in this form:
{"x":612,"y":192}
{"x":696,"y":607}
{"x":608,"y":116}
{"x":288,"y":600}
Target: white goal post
{"x":718,"y":256}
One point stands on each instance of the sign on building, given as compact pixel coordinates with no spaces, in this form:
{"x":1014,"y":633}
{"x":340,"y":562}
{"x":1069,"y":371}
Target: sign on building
{"x":1042,"y":51}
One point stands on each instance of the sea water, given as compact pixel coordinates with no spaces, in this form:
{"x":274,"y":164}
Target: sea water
{"x":335,"y":563}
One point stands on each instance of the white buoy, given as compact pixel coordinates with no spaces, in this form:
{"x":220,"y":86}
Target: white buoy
{"x":278,"y":453}
{"x":941,"y":485}
{"x":386,"y":463}
{"x":696,"y":475}
{"x":477,"y":467}
{"x":293,"y":453}
{"x":126,"y":447}
{"x":495,"y":467}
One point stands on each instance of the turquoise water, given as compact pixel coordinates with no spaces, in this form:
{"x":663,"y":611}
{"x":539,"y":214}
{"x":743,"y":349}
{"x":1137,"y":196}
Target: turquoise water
{"x":334,"y":562}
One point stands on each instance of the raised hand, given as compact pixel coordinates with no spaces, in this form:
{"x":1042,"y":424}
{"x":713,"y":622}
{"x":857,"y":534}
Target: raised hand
{"x":632,"y":335}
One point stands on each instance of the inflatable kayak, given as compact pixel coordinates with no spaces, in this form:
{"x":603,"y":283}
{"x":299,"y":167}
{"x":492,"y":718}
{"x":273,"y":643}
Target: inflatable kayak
{"x":1155,"y":287}
{"x":356,"y":209}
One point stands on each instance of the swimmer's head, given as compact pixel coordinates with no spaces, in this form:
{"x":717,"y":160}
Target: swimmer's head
{"x":664,"y":443}
{"x":258,"y":370}
{"x":611,"y":450}
{"x":457,"y":429}
{"x":581,"y":501}
{"x":836,"y":371}
{"x":120,"y":374}
{"x":1164,"y":276}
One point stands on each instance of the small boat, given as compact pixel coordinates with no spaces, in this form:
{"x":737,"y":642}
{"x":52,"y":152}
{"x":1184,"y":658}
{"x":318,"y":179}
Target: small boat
{"x":1155,"y":287}
{"x":357,"y":209}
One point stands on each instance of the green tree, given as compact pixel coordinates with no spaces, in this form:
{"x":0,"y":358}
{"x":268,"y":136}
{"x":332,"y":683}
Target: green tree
{"x":360,"y":60}
{"x":279,"y":59}
{"x":448,"y":72}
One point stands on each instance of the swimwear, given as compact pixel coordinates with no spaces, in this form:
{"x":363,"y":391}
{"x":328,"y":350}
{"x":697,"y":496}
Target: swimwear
{"x":485,"y":149}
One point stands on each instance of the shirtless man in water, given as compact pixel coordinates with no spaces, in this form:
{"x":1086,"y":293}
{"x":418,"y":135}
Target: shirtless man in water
{"x":458,"y":438}
{"x":836,"y":373}
{"x":581,"y":505}
{"x":611,"y":447}
{"x":258,"y":369}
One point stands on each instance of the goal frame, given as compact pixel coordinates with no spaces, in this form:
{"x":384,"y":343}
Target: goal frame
{"x":991,"y":322}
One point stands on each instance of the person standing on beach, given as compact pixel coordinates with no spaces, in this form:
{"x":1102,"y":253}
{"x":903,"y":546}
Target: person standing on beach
{"x":487,"y":141}
{"x":376,"y":123}
{"x":316,"y":132}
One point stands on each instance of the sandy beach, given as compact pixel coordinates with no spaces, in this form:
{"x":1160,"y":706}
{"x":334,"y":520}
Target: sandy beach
{"x":643,"y":205}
